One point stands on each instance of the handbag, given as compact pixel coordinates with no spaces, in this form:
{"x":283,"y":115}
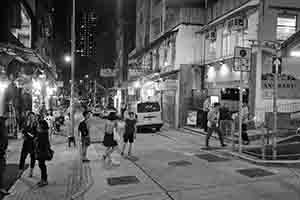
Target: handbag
{"x":49,"y":155}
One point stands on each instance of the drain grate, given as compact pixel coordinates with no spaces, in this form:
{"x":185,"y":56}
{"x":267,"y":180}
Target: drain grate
{"x":212,"y":158}
{"x":179,"y":163}
{"x":122,"y":180}
{"x":255,"y":172}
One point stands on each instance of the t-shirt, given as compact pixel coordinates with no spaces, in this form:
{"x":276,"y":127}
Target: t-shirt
{"x":110,"y":126}
{"x":130,"y":126}
{"x":83,"y":129}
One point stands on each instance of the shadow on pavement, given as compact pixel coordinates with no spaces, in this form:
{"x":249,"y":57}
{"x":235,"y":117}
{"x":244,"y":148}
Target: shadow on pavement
{"x":11,"y":175}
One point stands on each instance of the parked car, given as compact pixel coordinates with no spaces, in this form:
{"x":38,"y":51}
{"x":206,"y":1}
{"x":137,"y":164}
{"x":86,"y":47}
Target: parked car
{"x":105,"y":112}
{"x":149,"y":115}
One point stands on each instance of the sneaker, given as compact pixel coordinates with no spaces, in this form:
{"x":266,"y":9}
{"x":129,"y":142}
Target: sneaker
{"x":42,"y":183}
{"x":85,"y":160}
{"x":224,"y":145}
{"x":4,"y":191}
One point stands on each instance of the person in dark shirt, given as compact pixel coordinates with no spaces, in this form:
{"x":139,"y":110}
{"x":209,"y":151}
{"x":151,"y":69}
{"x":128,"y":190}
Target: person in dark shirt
{"x":29,"y":134}
{"x":130,"y":132}
{"x":84,"y":131}
{"x":42,"y":148}
{"x":3,"y":148}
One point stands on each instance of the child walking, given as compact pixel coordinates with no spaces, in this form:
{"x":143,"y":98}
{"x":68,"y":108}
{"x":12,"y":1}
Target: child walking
{"x":130,"y":133}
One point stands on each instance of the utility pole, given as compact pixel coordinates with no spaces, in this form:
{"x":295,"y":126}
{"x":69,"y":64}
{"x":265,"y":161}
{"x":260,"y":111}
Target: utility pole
{"x":73,"y":49}
{"x":95,"y":92}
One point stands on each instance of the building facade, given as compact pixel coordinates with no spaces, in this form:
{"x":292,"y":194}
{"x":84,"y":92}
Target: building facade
{"x":163,"y":61}
{"x":26,"y":52}
{"x":260,"y":25}
{"x":87,"y":34}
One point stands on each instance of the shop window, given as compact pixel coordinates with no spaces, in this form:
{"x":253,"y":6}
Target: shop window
{"x":227,"y":43}
{"x":286,"y":26}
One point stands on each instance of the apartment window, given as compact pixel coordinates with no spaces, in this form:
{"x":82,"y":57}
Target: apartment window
{"x":286,"y":26}
{"x":226,"y":43}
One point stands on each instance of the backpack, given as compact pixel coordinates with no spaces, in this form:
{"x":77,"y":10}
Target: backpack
{"x":83,"y":129}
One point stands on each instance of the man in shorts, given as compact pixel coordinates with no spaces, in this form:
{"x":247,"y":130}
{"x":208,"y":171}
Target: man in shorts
{"x":130,"y":132}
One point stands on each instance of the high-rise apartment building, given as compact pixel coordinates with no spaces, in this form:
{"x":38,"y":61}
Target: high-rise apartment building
{"x":87,"y":34}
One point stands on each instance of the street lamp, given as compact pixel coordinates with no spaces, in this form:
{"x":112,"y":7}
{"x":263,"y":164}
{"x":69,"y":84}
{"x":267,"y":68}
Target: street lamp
{"x":68,"y":58}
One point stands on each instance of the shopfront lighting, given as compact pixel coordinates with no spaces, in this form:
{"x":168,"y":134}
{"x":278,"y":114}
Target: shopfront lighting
{"x":295,"y":53}
{"x":3,"y":85}
{"x":37,"y":85}
{"x":211,"y":73}
{"x":137,"y":84}
{"x":224,"y":70}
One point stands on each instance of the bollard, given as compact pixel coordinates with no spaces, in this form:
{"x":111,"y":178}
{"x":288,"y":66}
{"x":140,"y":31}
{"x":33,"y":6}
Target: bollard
{"x":274,"y":147}
{"x":263,"y":149}
{"x":232,"y":135}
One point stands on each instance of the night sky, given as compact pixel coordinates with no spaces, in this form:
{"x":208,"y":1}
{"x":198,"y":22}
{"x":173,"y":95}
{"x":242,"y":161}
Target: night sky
{"x":105,"y":10}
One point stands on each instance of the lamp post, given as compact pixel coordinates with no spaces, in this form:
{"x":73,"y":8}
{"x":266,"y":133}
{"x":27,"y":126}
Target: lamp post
{"x":73,"y":49}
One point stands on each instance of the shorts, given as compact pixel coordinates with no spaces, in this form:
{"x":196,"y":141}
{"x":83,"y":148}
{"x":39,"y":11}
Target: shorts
{"x":128,"y":138}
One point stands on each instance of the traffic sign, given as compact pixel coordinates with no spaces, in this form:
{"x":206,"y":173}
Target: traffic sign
{"x":242,"y":59}
{"x":276,"y":65}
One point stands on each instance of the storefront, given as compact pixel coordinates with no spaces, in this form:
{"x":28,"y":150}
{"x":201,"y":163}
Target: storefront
{"x":223,"y":84}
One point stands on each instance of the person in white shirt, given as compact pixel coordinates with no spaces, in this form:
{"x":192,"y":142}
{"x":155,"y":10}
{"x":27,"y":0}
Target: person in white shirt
{"x":245,"y":121}
{"x":206,"y":109}
{"x":213,"y":118}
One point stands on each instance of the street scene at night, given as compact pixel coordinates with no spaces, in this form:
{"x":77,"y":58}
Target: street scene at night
{"x":150,"y":100}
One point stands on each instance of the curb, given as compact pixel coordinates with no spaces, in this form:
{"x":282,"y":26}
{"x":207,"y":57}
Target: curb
{"x":243,"y":156}
{"x":264,"y":162}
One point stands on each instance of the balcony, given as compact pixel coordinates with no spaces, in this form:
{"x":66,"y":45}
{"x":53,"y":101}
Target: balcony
{"x":188,"y":15}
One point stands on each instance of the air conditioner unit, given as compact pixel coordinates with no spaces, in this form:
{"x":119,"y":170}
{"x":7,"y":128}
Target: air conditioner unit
{"x":212,"y":35}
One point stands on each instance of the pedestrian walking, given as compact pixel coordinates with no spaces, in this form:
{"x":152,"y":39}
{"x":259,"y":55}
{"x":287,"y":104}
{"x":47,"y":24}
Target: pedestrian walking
{"x":206,"y":109}
{"x":213,"y":118}
{"x":109,"y":141}
{"x":29,"y":134}
{"x":123,"y":109}
{"x":245,"y":121}
{"x":50,"y":120}
{"x":130,"y":133}
{"x":3,"y":149}
{"x":43,"y":150}
{"x":84,"y":131}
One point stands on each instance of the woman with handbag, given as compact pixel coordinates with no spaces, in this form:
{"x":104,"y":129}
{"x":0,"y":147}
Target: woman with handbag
{"x":43,"y":150}
{"x":109,"y":141}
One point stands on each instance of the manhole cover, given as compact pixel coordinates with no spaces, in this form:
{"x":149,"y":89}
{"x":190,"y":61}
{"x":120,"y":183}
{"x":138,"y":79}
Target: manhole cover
{"x":180,"y":163}
{"x":255,"y":172}
{"x":211,"y":158}
{"x":122,"y":180}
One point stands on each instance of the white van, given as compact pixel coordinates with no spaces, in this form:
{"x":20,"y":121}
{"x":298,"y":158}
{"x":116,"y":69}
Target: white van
{"x":149,"y":115}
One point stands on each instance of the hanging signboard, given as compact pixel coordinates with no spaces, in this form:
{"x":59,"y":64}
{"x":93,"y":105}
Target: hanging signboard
{"x":108,"y":72}
{"x":288,"y":88}
{"x":60,"y":84}
{"x":130,"y":91}
{"x":242,"y":59}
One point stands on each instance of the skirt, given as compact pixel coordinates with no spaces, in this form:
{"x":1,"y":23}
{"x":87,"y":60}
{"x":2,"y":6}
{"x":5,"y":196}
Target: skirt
{"x":109,"y":141}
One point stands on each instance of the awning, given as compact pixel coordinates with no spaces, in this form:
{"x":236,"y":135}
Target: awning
{"x":10,"y":52}
{"x":247,"y":5}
